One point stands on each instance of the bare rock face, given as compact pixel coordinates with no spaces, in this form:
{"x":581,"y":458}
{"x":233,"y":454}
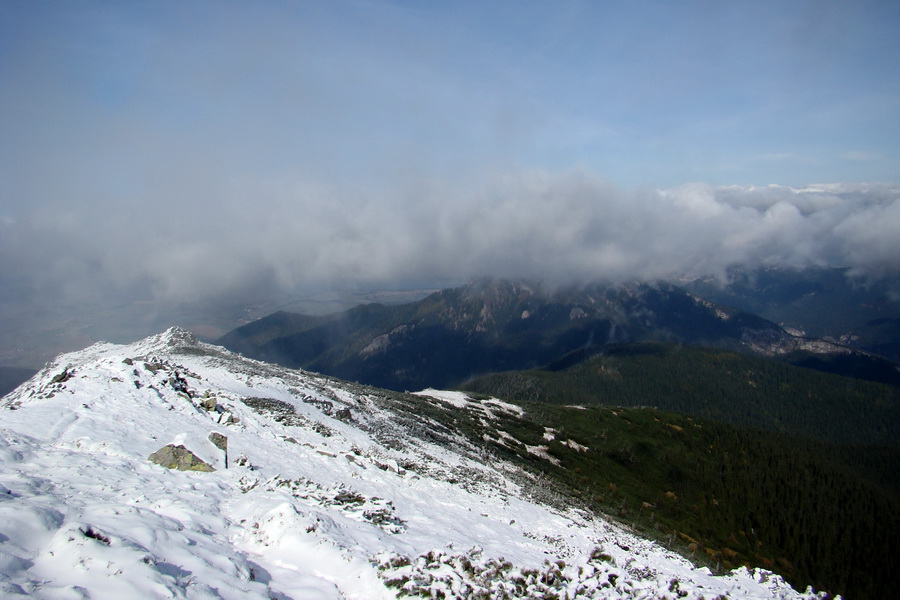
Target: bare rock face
{"x":62,"y":377}
{"x":179,"y":457}
{"x":221,"y":442}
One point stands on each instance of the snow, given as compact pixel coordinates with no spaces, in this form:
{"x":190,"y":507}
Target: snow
{"x":457,"y":399}
{"x":542,"y":452}
{"x":315,"y":503}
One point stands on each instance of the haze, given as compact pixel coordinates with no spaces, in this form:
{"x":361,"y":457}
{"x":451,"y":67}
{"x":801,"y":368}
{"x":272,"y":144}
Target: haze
{"x":195,"y":152}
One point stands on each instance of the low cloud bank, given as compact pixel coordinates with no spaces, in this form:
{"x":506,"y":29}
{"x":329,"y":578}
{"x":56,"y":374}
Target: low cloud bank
{"x":244,"y":240}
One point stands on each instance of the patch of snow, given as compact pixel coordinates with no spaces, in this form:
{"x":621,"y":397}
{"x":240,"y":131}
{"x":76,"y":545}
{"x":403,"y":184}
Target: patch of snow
{"x":457,"y":399}
{"x":575,"y":445}
{"x":542,"y":452}
{"x":513,"y":409}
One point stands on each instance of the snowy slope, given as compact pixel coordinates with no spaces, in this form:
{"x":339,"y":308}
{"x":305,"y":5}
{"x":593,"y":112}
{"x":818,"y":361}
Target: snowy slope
{"x":330,"y":491}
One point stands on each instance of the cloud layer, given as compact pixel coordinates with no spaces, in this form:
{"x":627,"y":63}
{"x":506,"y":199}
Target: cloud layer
{"x":284,"y":236}
{"x":209,"y":150}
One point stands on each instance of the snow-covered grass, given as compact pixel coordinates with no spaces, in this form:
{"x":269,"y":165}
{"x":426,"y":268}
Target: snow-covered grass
{"x":328,"y":492}
{"x":457,"y":399}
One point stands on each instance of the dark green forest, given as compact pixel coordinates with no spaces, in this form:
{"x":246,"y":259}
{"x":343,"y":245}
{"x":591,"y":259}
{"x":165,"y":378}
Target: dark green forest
{"x":730,"y":458}
{"x":723,"y":386}
{"x":819,"y":514}
{"x":764,"y":464}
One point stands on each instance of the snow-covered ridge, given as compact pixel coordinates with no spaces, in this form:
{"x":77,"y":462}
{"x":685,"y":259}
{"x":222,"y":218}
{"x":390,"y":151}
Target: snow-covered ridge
{"x":320,"y":489}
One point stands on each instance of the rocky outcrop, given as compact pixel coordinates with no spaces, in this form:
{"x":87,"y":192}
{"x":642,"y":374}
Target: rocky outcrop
{"x":209,"y":403}
{"x":179,"y":457}
{"x":62,"y":377}
{"x":221,"y":442}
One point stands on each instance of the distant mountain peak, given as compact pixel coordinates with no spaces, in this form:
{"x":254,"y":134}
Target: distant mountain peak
{"x":502,"y":324}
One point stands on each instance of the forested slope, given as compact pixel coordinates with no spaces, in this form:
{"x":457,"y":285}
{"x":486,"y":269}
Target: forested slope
{"x":820,"y":514}
{"x":767,"y":464}
{"x":725,"y":386}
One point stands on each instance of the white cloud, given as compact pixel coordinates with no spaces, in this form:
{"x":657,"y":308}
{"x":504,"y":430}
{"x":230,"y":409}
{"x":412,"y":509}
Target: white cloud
{"x":269,"y":236}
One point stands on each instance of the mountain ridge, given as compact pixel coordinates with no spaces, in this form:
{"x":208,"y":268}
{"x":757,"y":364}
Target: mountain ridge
{"x":822,"y":302}
{"x":495,"y":325}
{"x":320,"y":488}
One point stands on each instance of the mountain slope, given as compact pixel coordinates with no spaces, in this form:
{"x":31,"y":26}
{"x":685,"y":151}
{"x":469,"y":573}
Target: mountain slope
{"x":817,"y":513}
{"x":714,"y":384}
{"x":498,"y":325}
{"x":320,"y":489}
{"x":822,"y":302}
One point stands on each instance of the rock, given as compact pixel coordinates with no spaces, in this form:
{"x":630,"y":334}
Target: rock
{"x":179,"y":457}
{"x":221,"y":442}
{"x":209,"y":404}
{"x":227,"y":418}
{"x":179,"y":383}
{"x":62,"y":377}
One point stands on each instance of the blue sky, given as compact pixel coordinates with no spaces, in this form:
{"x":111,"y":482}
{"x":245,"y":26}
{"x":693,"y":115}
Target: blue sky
{"x":202,"y":149}
{"x":640,"y":93}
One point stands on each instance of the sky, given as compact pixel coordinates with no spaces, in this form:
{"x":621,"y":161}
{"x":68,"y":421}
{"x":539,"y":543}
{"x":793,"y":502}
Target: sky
{"x":192,"y":151}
